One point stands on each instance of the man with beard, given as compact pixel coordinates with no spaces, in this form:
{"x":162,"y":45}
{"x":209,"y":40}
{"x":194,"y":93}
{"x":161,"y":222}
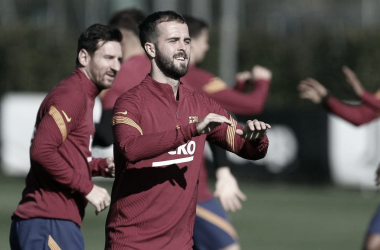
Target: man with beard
{"x":160,"y":128}
{"x":58,"y":185}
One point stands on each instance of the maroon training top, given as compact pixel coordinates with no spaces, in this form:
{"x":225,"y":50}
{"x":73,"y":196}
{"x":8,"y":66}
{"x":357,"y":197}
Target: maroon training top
{"x":367,"y":111}
{"x":61,"y":164}
{"x":153,"y":202}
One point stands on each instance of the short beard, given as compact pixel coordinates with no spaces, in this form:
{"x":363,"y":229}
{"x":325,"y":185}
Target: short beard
{"x":167,"y":66}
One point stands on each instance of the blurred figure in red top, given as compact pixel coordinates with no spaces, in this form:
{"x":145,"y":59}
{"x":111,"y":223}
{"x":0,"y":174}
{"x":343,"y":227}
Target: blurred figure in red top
{"x":212,"y":229}
{"x":366,"y":112}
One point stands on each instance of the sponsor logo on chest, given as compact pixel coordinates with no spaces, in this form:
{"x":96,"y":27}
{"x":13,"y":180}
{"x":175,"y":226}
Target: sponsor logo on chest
{"x":187,"y":150}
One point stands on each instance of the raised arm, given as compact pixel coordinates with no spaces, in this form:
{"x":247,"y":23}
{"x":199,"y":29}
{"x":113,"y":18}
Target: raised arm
{"x":237,"y":102}
{"x":318,"y":94}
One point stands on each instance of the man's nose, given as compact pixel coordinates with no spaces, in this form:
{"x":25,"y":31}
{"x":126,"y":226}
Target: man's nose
{"x":116,"y":65}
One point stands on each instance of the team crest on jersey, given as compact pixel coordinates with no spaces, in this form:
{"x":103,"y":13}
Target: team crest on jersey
{"x":193,"y":119}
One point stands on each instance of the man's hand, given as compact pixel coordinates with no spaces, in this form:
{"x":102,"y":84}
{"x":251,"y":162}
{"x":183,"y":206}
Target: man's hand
{"x":243,"y":76}
{"x":111,"y":166}
{"x":227,"y":190}
{"x":261,"y":73}
{"x":353,"y":80}
{"x":312,"y":90}
{"x":253,"y":130}
{"x":211,"y":121}
{"x":99,"y":198}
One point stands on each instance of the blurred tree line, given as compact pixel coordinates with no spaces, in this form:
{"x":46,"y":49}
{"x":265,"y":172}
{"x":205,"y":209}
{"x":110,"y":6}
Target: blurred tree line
{"x":37,"y":59}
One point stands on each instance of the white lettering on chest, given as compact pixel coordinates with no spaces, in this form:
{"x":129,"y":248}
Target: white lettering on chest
{"x":185,"y":149}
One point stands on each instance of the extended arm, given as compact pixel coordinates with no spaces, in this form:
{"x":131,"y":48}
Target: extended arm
{"x":355,"y":114}
{"x":237,"y":102}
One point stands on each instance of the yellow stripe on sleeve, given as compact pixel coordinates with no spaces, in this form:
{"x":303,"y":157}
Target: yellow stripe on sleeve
{"x":216,"y":220}
{"x":126,"y":120}
{"x":215,"y":85}
{"x":59,"y":121}
{"x":230,"y":137}
{"x":52,"y":244}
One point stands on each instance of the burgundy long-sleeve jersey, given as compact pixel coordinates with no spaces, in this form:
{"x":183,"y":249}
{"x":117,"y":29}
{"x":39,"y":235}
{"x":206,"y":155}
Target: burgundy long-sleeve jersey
{"x":153,"y":201}
{"x":233,"y":100}
{"x":61,"y":164}
{"x":367,"y":111}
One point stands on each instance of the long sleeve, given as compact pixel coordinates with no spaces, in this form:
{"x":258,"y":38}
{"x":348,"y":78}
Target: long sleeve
{"x":355,"y":114}
{"x":130,"y":139}
{"x":237,"y":102}
{"x":98,"y":167}
{"x":371,"y":100}
{"x":50,"y":133}
{"x":225,"y":137}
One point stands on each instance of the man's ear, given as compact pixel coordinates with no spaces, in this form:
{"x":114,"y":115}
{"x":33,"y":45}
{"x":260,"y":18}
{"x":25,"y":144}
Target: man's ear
{"x":150,"y":49}
{"x":83,"y":57}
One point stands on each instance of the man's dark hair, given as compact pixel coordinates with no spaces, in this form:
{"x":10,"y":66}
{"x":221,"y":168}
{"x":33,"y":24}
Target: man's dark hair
{"x":128,"y":19}
{"x":90,"y":38}
{"x":148,"y":28}
{"x":195,"y":25}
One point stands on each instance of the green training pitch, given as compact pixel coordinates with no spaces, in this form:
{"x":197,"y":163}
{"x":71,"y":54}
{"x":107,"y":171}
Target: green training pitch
{"x":275,"y":216}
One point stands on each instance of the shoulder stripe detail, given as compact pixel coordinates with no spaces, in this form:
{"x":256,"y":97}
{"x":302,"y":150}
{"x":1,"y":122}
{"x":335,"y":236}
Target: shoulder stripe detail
{"x":59,"y":121}
{"x":126,"y":120}
{"x":230,"y":137}
{"x":215,"y":85}
{"x":52,"y":244}
{"x":216,"y":220}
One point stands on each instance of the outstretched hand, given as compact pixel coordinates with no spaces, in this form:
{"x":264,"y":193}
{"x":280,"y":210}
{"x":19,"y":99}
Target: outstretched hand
{"x":353,"y":80}
{"x":312,"y":90}
{"x":227,"y":190}
{"x":253,"y":130}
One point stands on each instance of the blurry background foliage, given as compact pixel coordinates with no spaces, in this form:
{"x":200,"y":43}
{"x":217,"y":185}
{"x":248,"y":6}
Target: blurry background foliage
{"x":37,"y":59}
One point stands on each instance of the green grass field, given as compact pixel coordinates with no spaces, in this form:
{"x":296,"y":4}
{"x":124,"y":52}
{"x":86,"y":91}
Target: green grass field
{"x":275,"y":216}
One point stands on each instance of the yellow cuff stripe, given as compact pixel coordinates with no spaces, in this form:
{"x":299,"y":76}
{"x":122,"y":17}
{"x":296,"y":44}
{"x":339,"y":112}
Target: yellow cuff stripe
{"x":52,"y":244}
{"x":59,"y":121}
{"x":126,"y":120}
{"x":230,"y":138}
{"x":214,"y":85}
{"x":217,"y":221}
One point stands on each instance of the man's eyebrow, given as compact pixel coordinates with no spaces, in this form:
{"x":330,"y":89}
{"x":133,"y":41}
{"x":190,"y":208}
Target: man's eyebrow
{"x":173,"y":38}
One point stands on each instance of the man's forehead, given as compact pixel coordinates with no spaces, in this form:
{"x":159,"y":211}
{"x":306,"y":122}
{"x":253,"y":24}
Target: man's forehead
{"x":172,"y":27}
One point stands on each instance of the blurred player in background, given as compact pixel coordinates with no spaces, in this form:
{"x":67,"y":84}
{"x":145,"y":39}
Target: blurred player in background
{"x":364,"y":113}
{"x":156,"y":125}
{"x":134,"y":68}
{"x":212,"y":229}
{"x":59,"y":184}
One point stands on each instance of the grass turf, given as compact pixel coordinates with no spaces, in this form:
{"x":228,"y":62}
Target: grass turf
{"x":275,"y":216}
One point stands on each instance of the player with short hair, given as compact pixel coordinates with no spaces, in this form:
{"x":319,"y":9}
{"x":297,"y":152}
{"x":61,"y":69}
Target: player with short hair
{"x":360,"y":114}
{"x":160,"y":128}
{"x":212,"y":229}
{"x":58,"y":185}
